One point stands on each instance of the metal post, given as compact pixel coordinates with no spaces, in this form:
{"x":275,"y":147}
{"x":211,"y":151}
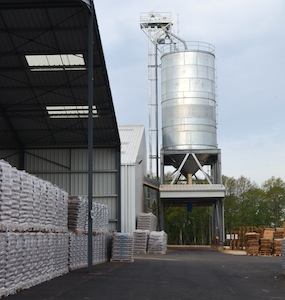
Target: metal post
{"x":156,"y":110}
{"x":90,"y":135}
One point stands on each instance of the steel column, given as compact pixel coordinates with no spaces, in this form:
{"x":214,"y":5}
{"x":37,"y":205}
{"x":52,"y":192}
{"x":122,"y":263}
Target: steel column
{"x":90,"y":134}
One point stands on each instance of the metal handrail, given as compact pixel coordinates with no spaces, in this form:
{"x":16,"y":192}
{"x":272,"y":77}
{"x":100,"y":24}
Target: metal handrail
{"x":191,"y":46}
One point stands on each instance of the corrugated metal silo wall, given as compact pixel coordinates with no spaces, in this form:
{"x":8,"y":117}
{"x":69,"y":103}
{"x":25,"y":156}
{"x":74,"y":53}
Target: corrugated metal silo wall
{"x":68,"y":169}
{"x":188,"y":100}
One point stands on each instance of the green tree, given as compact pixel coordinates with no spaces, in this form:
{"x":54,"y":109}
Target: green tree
{"x":275,"y":197}
{"x":185,"y":228}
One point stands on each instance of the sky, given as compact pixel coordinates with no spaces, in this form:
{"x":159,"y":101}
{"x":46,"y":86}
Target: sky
{"x":249,"y":40}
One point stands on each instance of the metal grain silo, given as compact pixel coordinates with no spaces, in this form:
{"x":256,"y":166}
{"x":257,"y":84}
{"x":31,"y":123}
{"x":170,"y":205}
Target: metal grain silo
{"x":188,"y":99}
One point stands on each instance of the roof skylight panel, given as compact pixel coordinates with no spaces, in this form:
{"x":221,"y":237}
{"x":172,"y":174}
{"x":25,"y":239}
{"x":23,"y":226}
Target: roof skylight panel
{"x":56,"y":62}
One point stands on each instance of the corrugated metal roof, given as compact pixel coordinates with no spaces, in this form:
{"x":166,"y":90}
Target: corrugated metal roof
{"x":49,"y":27}
{"x":131,"y":137}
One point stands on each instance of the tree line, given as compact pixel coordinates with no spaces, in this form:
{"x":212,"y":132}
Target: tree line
{"x":246,"y":204}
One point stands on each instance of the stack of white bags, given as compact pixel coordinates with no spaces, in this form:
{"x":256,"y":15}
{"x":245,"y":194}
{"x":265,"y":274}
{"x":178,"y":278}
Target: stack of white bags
{"x":28,"y":203}
{"x":141,"y":241}
{"x":77,"y":213}
{"x":157,"y":242}
{"x":123,"y":247}
{"x":146,"y":238}
{"x":147,"y":221}
{"x":78,"y":227}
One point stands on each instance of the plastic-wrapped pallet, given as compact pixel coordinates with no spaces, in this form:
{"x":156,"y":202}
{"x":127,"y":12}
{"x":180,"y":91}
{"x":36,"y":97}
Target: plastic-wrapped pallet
{"x":147,"y":221}
{"x":157,"y":243}
{"x":122,"y":249}
{"x":50,"y":207}
{"x":3,"y":254}
{"x":61,"y":208}
{"x":100,"y":217}
{"x":36,"y":202}
{"x":78,"y":250}
{"x":141,"y":241}
{"x":6,"y":182}
{"x":77,"y":213}
{"x":15,"y":207}
{"x":26,"y":201}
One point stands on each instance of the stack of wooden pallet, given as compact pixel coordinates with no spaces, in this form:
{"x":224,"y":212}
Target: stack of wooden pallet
{"x":277,"y":241}
{"x":265,"y":246}
{"x":278,"y":234}
{"x":252,"y":243}
{"x":277,"y":247}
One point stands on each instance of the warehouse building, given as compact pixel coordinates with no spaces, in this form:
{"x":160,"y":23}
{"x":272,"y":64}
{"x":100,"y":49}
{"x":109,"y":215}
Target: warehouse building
{"x":49,"y":72}
{"x":133,"y":171}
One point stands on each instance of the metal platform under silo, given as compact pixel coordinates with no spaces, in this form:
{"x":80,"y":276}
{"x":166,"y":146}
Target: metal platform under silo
{"x":197,"y":194}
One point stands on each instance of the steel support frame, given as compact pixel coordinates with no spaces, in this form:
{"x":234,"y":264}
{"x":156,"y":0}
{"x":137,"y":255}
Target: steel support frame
{"x":218,"y":233}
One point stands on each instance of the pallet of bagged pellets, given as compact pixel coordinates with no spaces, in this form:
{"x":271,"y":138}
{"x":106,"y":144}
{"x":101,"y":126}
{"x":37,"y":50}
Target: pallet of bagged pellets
{"x":141,"y":241}
{"x":147,"y":221}
{"x":123,"y":247}
{"x":77,"y":213}
{"x":157,"y":243}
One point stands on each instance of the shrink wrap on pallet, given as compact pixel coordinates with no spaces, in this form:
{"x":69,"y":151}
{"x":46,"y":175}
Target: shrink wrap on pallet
{"x":77,"y":213}
{"x":6,"y":183}
{"x":147,"y":221}
{"x":122,"y":249}
{"x":157,"y":242}
{"x":141,"y":241}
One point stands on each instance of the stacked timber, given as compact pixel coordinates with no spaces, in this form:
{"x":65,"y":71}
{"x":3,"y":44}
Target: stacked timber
{"x":147,"y":221}
{"x":141,"y":241}
{"x":123,"y":247}
{"x":252,"y":243}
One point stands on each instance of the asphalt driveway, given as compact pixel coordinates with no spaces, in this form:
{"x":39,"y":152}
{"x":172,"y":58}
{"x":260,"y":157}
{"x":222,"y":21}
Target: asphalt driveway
{"x":180,"y":274}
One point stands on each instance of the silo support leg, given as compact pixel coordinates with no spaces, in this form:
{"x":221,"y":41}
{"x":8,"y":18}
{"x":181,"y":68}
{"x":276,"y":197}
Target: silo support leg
{"x":161,"y":223}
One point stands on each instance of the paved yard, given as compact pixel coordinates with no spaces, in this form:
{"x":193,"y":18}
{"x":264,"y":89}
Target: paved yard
{"x":180,"y":274}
